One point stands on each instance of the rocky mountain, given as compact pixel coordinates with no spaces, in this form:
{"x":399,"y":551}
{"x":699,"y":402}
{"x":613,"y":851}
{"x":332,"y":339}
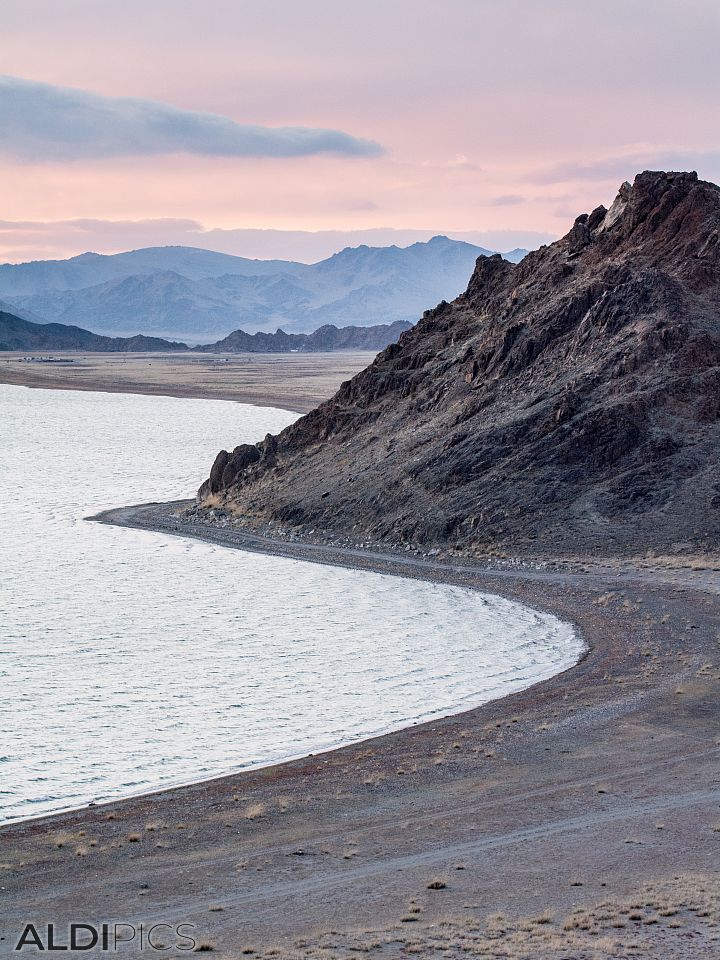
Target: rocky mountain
{"x":567,"y":404}
{"x":515,"y":255}
{"x":327,"y":338}
{"x":197,"y":295}
{"x":19,"y":334}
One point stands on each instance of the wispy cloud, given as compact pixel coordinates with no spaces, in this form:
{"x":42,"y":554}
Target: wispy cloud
{"x":625,"y":166}
{"x":44,"y":122}
{"x":507,"y":200}
{"x":38,"y":240}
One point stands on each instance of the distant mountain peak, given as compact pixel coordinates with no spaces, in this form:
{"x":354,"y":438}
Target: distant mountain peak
{"x":194,"y":294}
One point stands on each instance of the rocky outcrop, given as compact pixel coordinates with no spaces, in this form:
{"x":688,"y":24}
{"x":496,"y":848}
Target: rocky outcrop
{"x":566,"y":404}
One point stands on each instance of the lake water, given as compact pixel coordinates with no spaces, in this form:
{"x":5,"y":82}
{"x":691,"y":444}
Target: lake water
{"x":131,"y":660}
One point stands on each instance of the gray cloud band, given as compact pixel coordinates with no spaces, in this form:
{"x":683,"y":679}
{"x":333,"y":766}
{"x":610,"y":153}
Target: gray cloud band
{"x":44,"y":122}
{"x":624,"y":167}
{"x":38,"y":240}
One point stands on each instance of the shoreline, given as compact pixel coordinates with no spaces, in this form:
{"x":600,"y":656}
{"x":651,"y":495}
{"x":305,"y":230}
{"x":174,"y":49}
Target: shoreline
{"x":144,"y":390}
{"x":541,"y":793}
{"x":296,"y":382}
{"x":456,"y":710}
{"x":129,"y":517}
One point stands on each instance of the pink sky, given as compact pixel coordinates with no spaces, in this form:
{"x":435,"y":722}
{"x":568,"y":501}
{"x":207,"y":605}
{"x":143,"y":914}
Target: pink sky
{"x":500,"y":119}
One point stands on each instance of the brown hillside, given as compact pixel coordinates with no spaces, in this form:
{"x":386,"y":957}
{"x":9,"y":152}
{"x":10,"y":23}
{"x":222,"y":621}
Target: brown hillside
{"x":569,"y":403}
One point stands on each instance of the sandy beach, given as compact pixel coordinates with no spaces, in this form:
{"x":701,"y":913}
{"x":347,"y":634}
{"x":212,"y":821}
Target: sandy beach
{"x":578,"y":818}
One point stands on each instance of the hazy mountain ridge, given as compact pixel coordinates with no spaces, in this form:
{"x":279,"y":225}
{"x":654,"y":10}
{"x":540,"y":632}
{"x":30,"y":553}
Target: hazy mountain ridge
{"x":196,"y":294}
{"x":92,"y":269}
{"x":327,"y":338}
{"x":570,"y":403}
{"x":17,"y":333}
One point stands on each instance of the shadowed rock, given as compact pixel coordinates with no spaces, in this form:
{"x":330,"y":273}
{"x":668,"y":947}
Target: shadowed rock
{"x":566,"y":403}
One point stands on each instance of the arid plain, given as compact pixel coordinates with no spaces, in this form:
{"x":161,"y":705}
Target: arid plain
{"x":291,"y":381}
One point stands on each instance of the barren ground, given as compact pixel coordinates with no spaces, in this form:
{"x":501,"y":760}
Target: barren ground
{"x":292,"y":381}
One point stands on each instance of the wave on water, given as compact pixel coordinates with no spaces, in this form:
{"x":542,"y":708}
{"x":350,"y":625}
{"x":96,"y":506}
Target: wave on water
{"x":132,"y":660}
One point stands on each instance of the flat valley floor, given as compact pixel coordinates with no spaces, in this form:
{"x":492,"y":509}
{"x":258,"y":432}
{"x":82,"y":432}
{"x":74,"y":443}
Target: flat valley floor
{"x":291,"y":381}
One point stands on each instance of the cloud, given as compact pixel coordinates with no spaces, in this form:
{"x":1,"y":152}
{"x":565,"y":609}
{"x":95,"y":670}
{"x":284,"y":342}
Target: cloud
{"x":22,"y":240}
{"x":38,"y":240}
{"x":624,"y":167}
{"x":507,"y":200}
{"x":44,"y":122}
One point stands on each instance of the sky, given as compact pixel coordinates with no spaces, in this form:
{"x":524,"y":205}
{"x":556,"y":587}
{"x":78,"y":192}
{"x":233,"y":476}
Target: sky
{"x":290,"y":129}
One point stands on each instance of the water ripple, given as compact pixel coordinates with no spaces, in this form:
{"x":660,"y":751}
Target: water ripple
{"x":132,"y":660}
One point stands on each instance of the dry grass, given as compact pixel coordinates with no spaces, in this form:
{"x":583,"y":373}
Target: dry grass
{"x":373,"y":779}
{"x":678,"y":918}
{"x":60,"y":840}
{"x":698,"y":561}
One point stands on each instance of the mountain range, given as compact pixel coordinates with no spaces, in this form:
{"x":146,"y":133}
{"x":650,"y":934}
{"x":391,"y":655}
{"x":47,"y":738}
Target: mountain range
{"x":569,"y":404}
{"x":198,"y":295}
{"x":324,"y":339}
{"x":16,"y":333}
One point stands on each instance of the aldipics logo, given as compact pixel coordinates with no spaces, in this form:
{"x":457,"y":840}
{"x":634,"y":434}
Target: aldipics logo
{"x":109,"y":937}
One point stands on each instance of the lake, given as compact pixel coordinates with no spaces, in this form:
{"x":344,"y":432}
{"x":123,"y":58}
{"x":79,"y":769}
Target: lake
{"x":132,"y":660}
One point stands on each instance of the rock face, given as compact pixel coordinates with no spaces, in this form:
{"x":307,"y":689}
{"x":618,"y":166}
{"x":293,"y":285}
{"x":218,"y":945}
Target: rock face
{"x":569,"y":404}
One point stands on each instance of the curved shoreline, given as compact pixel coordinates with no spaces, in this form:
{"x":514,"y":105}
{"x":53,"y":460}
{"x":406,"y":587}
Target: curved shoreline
{"x":546,"y":795}
{"x":154,"y":517}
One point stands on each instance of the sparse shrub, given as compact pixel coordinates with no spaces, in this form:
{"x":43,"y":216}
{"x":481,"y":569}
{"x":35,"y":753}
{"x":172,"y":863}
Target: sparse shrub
{"x":254,"y":811}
